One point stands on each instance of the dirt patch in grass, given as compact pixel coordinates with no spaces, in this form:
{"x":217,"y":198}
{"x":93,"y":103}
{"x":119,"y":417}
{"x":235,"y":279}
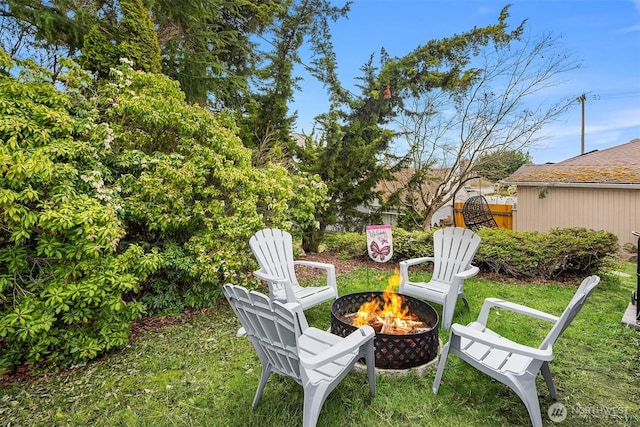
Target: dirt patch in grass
{"x":343,"y":266}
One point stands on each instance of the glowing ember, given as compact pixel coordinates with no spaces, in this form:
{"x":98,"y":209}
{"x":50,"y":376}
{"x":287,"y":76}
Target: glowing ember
{"x":393,"y":317}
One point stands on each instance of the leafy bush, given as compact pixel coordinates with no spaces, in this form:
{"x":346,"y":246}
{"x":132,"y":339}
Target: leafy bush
{"x":116,"y":198}
{"x":512,"y":253}
{"x":578,"y":251}
{"x":347,"y":244}
{"x":405,"y":244}
{"x":190,"y":190}
{"x":65,"y":276}
{"x":412,"y":244}
{"x":561,"y":252}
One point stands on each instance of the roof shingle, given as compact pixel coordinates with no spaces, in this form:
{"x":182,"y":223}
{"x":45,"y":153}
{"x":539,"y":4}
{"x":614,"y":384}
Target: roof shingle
{"x":615,"y":165}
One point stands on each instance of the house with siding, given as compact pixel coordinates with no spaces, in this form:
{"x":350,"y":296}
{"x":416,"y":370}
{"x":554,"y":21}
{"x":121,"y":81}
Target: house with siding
{"x":599,"y":190}
{"x":437,"y":176}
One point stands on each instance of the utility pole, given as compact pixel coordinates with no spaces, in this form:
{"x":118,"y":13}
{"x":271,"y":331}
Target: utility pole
{"x":582,"y":98}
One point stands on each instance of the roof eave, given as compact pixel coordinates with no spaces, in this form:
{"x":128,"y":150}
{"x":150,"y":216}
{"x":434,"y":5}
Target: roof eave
{"x":620,"y":186}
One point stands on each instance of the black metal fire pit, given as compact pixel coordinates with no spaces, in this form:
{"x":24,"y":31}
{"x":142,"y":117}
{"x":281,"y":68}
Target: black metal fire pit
{"x":392,"y":351}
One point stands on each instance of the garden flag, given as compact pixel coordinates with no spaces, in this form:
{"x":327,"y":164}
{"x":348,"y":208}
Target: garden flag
{"x":379,"y":243}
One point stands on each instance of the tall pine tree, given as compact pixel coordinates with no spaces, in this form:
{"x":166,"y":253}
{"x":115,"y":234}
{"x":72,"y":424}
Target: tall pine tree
{"x":350,"y":151}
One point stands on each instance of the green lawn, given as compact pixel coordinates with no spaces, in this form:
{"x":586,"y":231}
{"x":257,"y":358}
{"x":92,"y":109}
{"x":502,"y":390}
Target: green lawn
{"x":199,"y":374}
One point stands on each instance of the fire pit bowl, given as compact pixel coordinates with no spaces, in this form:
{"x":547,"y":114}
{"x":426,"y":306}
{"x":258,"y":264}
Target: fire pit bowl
{"x":392,"y":351}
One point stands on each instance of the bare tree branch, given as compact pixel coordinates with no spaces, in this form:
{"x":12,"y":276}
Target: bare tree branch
{"x":503,"y":108}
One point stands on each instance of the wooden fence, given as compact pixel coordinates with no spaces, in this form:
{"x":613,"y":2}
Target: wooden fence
{"x":503,"y":214}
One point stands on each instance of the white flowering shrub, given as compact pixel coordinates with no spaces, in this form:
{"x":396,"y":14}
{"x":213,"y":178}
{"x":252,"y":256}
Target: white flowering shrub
{"x":189,"y":190}
{"x":64,"y":273}
{"x":121,"y":203}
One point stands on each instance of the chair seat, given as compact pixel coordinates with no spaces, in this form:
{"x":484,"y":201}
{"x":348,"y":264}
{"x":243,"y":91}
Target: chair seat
{"x":313,"y":342}
{"x":496,"y":359}
{"x":308,"y":296}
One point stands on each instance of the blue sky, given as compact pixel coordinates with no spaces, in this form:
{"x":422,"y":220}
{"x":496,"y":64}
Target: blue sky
{"x":603,"y":34}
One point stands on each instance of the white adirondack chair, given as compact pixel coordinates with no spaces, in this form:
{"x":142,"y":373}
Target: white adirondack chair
{"x":511,"y":363}
{"x":286,"y":345}
{"x":274,"y":251}
{"x":453,"y":251}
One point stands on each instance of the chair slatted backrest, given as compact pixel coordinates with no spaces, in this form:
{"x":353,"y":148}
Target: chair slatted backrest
{"x":573,"y":308}
{"x":272,"y":327}
{"x":453,"y":251}
{"x":273,"y":249}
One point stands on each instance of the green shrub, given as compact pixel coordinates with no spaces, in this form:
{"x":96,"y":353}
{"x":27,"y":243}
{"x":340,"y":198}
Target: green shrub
{"x":65,"y":276}
{"x":406,"y":244}
{"x":561,"y":252}
{"x":123,"y":201}
{"x":578,"y":251}
{"x":411,"y":244}
{"x":347,"y":244}
{"x":189,"y":189}
{"x":512,"y":253}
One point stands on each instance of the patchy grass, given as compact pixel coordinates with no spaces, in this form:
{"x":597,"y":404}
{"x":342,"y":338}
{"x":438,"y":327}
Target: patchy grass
{"x":198,"y":373}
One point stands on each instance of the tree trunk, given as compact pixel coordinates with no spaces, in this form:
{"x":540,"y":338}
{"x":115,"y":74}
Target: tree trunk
{"x":311,"y":239}
{"x":426,"y":221}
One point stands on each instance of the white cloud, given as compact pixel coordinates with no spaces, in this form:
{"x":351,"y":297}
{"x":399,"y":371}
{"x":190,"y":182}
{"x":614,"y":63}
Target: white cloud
{"x":632,"y":29}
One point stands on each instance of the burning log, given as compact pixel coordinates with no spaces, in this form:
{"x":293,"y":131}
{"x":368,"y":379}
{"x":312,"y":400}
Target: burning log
{"x":391,"y":318}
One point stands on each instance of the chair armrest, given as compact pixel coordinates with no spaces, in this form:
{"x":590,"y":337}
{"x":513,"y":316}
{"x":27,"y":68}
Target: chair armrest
{"x":472,"y":271}
{"x":416,"y":261}
{"x":330,"y":269}
{"x":516,"y":308}
{"x":404,"y":266}
{"x":315,"y":264}
{"x":271,"y":279}
{"x":352,"y":342}
{"x":501,"y":343}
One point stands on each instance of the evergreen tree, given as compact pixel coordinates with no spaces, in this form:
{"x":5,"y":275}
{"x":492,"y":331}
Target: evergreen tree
{"x":137,"y":42}
{"x":266,"y":122}
{"x":226,"y":54}
{"x":140,"y":43}
{"x":355,"y":135}
{"x":211,"y":48}
{"x":205,"y":45}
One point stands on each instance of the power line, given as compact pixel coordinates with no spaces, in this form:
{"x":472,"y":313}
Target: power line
{"x":618,"y":95}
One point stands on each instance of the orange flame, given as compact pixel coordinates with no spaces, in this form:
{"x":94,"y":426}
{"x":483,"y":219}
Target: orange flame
{"x":393,"y":316}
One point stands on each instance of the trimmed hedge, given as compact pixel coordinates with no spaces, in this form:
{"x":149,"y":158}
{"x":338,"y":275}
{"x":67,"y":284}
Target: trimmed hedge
{"x":559,"y":253}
